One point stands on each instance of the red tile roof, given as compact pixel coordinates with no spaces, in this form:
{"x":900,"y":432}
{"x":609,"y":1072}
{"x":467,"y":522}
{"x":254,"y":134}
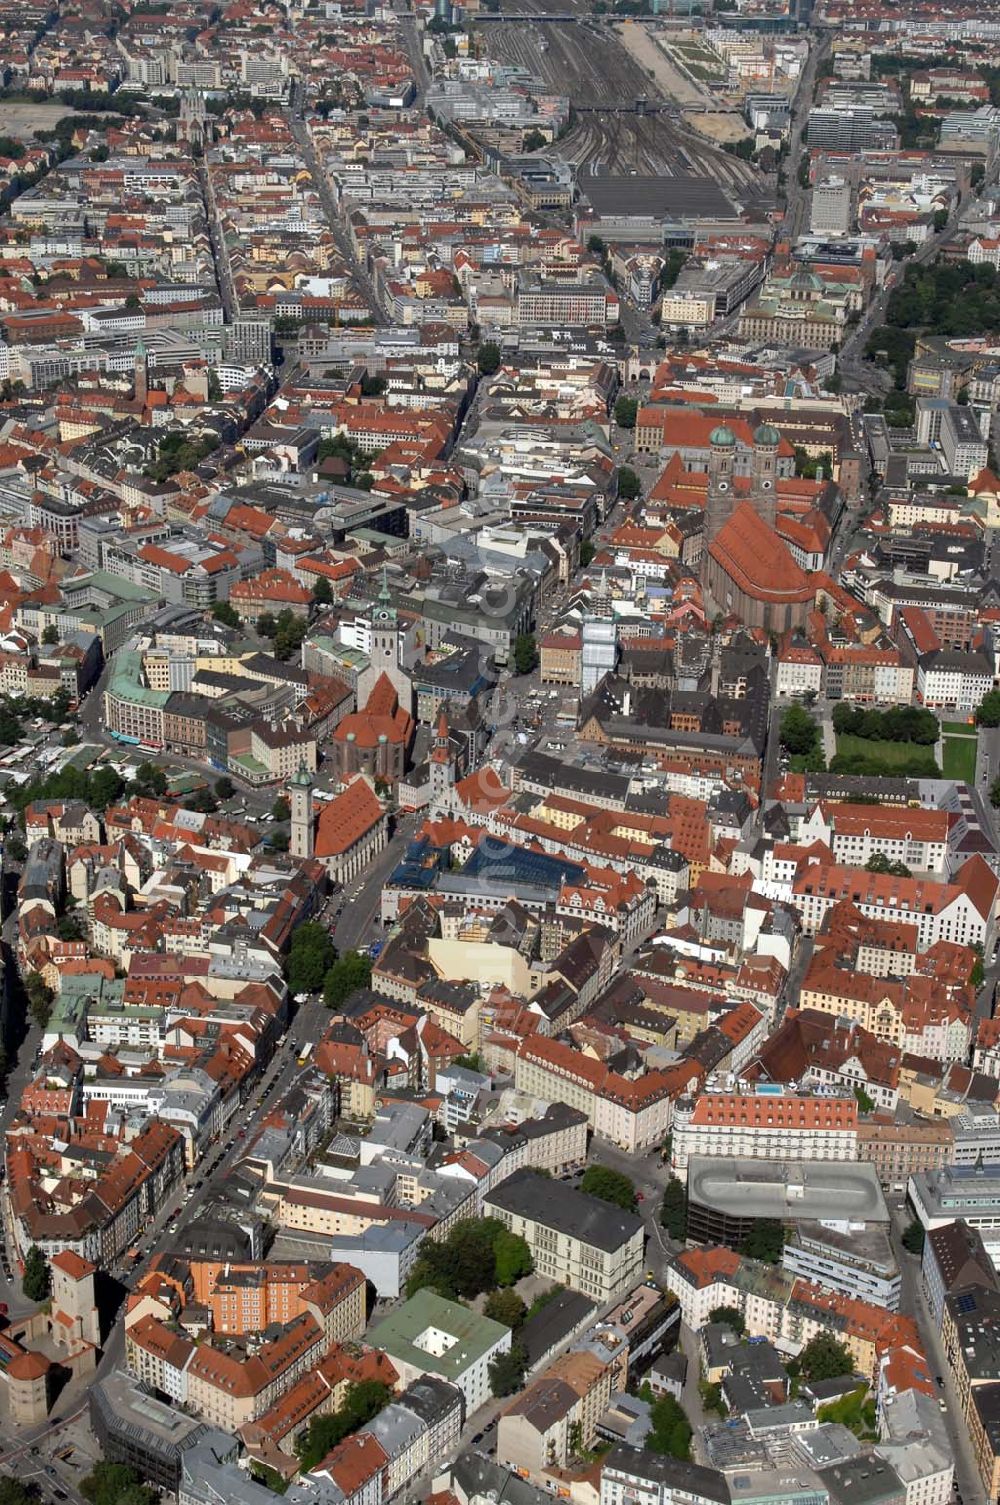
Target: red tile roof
{"x":757,"y":560}
{"x":345,"y":820}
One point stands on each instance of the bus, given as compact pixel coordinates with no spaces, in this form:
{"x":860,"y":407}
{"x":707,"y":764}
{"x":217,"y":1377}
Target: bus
{"x":306,"y":1053}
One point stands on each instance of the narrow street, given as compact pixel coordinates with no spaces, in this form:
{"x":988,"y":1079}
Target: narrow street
{"x":359,"y":275}
{"x":649,"y":1176}
{"x":912,"y":1301}
{"x":421,"y":73}
{"x":223,"y":271}
{"x":362,"y":900}
{"x":796,"y":197}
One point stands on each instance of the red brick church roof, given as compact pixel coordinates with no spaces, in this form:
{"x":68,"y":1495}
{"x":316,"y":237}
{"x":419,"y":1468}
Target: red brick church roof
{"x":756,"y":560}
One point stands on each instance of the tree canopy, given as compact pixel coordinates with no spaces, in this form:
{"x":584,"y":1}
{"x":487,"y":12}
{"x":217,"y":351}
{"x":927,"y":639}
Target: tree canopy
{"x":40,"y":997}
{"x":36,"y":1281}
{"x":799,"y":733}
{"x":673,"y":1212}
{"x":670,"y":1432}
{"x":610,"y":1186}
{"x":989,"y":709}
{"x":939,"y":297}
{"x":489,"y":358}
{"x":223,"y":612}
{"x":901,"y":723}
{"x":913,"y":1238}
{"x":287,"y":631}
{"x":179,"y":451}
{"x":98,"y":789}
{"x":507,"y":1370}
{"x":629,"y":484}
{"x":513,"y":1258}
{"x":823,"y":1358}
{"x":765,"y":1241}
{"x":878,"y":862}
{"x":15,"y":1492}
{"x":116,"y":1484}
{"x":150,"y":780}
{"x":478,"y":1255}
{"x":626,"y":411}
{"x":310,"y":957}
{"x":507,"y":1307}
{"x":364,"y":1399}
{"x":730,"y":1316}
{"x":351,"y":971}
{"x":525,"y":653}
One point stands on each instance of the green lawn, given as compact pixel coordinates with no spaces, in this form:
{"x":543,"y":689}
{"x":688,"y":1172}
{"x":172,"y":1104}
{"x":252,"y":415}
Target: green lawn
{"x":890,"y":753}
{"x":854,"y":1411}
{"x":958,"y":729}
{"x":960,"y":758}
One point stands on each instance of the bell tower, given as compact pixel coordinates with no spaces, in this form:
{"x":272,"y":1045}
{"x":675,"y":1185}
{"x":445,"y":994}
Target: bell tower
{"x":300,"y":793}
{"x":719,"y":500}
{"x":140,"y":379}
{"x":385,"y":656}
{"x":442,"y":764}
{"x":764,"y":472}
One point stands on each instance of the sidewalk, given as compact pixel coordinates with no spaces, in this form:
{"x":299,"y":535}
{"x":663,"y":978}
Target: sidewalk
{"x":829,"y":739}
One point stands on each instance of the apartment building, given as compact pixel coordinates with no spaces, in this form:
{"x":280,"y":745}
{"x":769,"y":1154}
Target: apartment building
{"x":577,"y":303}
{"x":248,"y":1298}
{"x":417,"y":1429}
{"x":429,"y":1335}
{"x":970,"y":1325}
{"x":900,"y":1150}
{"x":960,"y":911}
{"x":970,"y":1192}
{"x":546,"y":1425}
{"x":950,"y":679}
{"x":226,"y":1385}
{"x":632,"y":1476}
{"x":856,"y":1260}
{"x":800,"y":670}
{"x":767,"y":1125}
{"x":114,"y":1206}
{"x":574,"y":1239}
{"x":954,"y":1256}
{"x":632,"y":1113}
{"x":856,"y":833}
{"x":778,"y":1306}
{"x":920,"y":1015}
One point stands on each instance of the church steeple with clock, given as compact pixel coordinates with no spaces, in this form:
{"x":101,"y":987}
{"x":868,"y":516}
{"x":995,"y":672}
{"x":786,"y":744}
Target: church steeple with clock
{"x":385,"y":654}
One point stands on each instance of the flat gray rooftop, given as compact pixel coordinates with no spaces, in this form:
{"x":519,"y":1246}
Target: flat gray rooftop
{"x":806,"y":1190}
{"x":659,"y":197}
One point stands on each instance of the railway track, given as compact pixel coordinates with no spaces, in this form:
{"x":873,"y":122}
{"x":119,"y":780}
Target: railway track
{"x":586,"y":61}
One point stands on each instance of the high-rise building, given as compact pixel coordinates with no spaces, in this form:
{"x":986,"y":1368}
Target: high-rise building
{"x":830,"y":212}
